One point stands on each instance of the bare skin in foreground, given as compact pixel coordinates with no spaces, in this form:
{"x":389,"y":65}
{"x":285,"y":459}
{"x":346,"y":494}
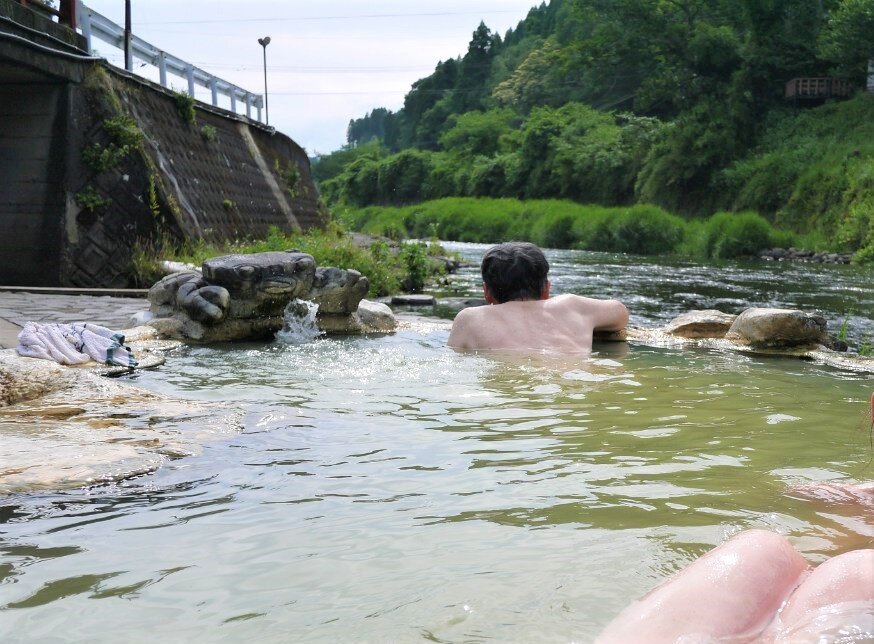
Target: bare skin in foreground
{"x":757,"y":588}
{"x":561,"y":324}
{"x":753,"y":588}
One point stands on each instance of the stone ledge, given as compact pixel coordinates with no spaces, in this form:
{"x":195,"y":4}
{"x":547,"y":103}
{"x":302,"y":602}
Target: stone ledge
{"x":815,"y":353}
{"x":8,"y":334}
{"x":61,"y":290}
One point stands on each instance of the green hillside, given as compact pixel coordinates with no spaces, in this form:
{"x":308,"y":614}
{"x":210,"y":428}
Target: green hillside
{"x":674,"y":103}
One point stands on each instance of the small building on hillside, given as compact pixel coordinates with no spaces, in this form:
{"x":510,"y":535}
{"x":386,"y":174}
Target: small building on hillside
{"x":816,"y":90}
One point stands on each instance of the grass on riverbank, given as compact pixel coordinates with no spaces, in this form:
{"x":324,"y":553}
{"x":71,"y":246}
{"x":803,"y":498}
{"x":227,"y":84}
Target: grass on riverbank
{"x":387,"y":271}
{"x":640,"y":229}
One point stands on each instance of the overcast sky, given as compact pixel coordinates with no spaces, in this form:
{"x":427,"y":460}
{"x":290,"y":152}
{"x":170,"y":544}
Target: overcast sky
{"x":328,"y":61}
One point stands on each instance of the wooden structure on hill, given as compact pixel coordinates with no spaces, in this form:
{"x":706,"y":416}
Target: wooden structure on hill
{"x":817,"y":90}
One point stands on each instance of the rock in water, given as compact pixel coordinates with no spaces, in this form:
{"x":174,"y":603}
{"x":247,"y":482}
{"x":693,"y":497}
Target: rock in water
{"x":762,"y":328}
{"x":66,"y":427}
{"x":701,"y":324}
{"x":243,"y":297}
{"x":376,"y":317}
{"x":420,"y":299}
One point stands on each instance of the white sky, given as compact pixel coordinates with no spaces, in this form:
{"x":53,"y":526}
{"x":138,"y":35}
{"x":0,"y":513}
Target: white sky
{"x":328,"y":61}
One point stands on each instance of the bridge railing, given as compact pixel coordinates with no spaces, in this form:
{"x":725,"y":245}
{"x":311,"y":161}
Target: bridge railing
{"x":97,"y":26}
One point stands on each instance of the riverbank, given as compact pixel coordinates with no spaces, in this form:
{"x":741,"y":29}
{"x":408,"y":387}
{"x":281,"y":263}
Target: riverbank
{"x":390,"y":266}
{"x":640,"y":229}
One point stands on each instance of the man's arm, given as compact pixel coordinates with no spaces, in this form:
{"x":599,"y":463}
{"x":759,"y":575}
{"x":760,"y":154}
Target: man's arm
{"x":606,"y":315}
{"x":460,"y":336}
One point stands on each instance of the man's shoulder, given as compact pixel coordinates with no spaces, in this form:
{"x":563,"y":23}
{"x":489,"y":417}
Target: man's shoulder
{"x":568,"y":300}
{"x":578,"y":301}
{"x":470,"y":312}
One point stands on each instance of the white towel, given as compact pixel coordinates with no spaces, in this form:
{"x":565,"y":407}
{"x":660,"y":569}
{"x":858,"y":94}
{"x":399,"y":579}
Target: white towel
{"x":74,"y":344}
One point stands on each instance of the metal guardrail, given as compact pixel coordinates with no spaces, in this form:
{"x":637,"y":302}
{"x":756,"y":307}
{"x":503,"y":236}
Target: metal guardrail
{"x":95,"y":25}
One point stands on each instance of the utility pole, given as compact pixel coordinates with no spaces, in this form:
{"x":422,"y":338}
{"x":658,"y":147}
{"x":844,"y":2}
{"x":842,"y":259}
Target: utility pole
{"x":264,"y":42}
{"x":128,"y":59}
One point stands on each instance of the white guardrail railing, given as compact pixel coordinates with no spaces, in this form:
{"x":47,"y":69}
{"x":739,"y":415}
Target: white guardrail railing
{"x":95,"y":25}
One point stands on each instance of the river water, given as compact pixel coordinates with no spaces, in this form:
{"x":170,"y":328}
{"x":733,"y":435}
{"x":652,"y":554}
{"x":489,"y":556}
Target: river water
{"x":390,"y":489}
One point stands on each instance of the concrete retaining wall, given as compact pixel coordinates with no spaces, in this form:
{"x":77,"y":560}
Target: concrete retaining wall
{"x":219,"y":177}
{"x":32,"y":124}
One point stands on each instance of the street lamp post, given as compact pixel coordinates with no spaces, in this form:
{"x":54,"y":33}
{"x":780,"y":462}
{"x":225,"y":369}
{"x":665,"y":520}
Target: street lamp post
{"x":264,"y":42}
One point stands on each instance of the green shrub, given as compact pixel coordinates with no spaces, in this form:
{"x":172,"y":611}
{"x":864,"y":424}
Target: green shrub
{"x":208,"y":133}
{"x":123,"y":132}
{"x":386,"y":270}
{"x":91,"y":200}
{"x":99,"y":159}
{"x":641,"y":229}
{"x":124,"y":137}
{"x":415,"y":258}
{"x":729,"y":235}
{"x":185,"y":107}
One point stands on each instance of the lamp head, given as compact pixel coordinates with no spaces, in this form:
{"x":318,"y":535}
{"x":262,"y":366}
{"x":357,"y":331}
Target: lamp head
{"x":264,"y":41}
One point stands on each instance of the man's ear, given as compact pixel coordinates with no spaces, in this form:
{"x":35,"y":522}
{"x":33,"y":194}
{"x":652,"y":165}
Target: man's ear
{"x":487,"y":293}
{"x":544,"y":294}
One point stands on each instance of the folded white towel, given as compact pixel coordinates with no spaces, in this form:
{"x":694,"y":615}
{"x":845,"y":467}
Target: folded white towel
{"x":74,"y":344}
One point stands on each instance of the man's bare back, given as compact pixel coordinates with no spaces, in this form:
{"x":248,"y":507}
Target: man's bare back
{"x":561,"y":324}
{"x":522,"y":317}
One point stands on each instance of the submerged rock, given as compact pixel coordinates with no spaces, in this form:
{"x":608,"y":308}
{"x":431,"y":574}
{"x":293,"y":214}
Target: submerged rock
{"x":700,"y":324}
{"x":420,"y":299}
{"x":243,"y":297}
{"x":68,"y":426}
{"x":778,"y":328}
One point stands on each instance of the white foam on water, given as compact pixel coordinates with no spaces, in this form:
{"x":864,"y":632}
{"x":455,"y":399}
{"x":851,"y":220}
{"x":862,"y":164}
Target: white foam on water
{"x":299,"y":323}
{"x":773,"y":419}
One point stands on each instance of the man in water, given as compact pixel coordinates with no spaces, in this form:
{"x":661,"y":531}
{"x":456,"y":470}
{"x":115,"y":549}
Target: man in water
{"x":523,"y":317}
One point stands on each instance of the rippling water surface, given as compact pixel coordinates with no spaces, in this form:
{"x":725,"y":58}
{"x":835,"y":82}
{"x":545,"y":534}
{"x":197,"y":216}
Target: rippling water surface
{"x":389,"y":489}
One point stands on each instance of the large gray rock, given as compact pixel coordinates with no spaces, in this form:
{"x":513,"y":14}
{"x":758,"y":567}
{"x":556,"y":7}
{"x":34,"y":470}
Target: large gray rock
{"x":376,"y":317}
{"x":261,"y":284}
{"x":701,"y":324}
{"x":243,"y":297}
{"x":336,"y":290}
{"x":762,"y":328}
{"x":62,"y":426}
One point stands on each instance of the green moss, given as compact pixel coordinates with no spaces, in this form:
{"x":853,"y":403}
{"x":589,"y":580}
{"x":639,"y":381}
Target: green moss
{"x":99,"y":86}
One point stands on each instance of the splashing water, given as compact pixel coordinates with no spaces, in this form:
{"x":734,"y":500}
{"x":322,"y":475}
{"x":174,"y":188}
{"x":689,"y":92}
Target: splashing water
{"x":299,"y":323}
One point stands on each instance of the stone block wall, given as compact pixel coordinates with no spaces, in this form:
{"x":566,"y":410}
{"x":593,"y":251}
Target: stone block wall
{"x":215,"y":177}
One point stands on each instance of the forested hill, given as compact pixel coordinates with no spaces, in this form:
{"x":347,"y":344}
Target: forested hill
{"x":678,"y":103}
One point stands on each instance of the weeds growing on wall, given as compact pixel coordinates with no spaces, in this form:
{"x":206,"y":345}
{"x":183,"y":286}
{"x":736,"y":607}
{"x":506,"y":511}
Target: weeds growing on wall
{"x":290,"y":175}
{"x":185,"y":107}
{"x":208,"y":133}
{"x":124,"y":137}
{"x":91,"y":200}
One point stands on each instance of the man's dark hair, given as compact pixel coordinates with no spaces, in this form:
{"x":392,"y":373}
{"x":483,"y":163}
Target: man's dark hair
{"x":515,"y":271}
